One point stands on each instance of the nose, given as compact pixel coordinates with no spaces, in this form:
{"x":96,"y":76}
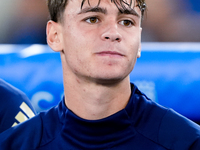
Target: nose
{"x":111,"y":33}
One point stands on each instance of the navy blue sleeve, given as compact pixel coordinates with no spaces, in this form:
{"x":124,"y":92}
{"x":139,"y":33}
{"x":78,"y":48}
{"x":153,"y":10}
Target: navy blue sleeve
{"x":179,"y":133}
{"x":15,"y":107}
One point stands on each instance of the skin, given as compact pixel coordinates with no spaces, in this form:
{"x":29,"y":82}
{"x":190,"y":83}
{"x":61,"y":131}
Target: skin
{"x":98,"y":51}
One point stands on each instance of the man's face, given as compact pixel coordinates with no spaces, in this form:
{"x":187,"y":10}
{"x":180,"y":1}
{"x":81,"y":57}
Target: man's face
{"x":100,"y":43}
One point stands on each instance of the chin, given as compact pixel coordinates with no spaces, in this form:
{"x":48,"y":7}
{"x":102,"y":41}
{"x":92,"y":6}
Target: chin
{"x":110,"y":79}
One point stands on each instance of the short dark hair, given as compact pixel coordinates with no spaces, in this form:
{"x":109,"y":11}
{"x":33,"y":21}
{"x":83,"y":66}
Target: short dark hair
{"x":57,"y":7}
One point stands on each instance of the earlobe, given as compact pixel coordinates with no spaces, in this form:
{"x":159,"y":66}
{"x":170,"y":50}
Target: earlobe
{"x":139,"y":49}
{"x":54,"y":38}
{"x":139,"y":53}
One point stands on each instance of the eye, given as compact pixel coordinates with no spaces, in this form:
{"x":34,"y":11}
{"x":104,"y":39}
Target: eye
{"x":92,"y":20}
{"x":126,"y":23}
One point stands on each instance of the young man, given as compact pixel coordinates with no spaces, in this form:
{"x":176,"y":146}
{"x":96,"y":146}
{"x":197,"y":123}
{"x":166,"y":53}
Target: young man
{"x":15,"y":106}
{"x":99,"y":42}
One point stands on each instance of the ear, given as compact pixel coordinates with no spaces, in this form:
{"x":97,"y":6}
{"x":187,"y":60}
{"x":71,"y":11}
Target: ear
{"x":139,"y":49}
{"x":54,"y":36}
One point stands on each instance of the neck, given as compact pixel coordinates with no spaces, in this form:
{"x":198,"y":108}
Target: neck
{"x":96,"y":101}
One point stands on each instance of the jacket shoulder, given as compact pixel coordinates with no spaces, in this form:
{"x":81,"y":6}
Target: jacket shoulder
{"x":164,"y":126}
{"x":178,"y":132}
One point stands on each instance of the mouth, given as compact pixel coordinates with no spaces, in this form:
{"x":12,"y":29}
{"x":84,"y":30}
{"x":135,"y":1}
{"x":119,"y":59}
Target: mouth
{"x":110,"y":54}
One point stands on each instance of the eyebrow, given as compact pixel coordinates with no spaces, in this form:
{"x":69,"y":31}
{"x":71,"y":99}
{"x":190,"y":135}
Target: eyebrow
{"x":93,"y":9}
{"x":128,"y":12}
{"x":104,"y":11}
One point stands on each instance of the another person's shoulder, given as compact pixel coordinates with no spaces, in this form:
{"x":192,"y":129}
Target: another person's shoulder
{"x":8,"y":88}
{"x":12,"y":95}
{"x":15,"y":106}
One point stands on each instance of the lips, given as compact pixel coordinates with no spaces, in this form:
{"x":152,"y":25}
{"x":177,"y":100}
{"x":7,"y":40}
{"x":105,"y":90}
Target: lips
{"x":109,"y":53}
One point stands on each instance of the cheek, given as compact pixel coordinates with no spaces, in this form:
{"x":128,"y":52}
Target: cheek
{"x":79,"y":37}
{"x":133,"y":51}
{"x":134,"y":45}
{"x":76,"y":54}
